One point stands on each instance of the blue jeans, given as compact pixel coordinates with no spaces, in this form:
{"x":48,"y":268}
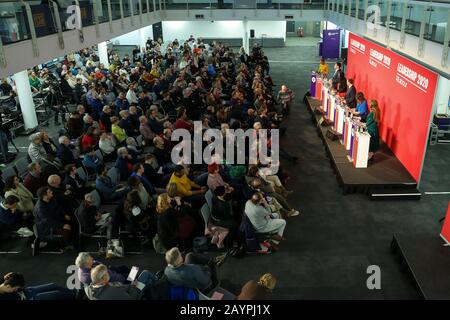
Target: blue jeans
{"x":148,"y":279}
{"x":202,"y":179}
{"x":49,"y":291}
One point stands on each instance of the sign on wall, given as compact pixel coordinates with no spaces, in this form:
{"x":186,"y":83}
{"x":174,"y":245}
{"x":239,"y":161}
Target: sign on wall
{"x":405,"y":93}
{"x":331,"y":44}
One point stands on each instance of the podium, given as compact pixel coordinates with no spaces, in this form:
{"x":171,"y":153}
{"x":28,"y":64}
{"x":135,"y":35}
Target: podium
{"x":312,"y":87}
{"x":318,"y":87}
{"x":347,"y":134}
{"x":359,"y":144}
{"x":325,"y":98}
{"x":361,"y":149}
{"x":339,"y":118}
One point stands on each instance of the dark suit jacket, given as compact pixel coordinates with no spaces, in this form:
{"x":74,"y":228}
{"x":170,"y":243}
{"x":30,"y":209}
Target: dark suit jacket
{"x":350,"y":97}
{"x":337,"y":76}
{"x":65,"y":154}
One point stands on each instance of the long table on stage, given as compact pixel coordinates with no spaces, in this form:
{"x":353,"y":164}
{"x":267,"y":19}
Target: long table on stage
{"x":386,"y":171}
{"x":427,"y":261}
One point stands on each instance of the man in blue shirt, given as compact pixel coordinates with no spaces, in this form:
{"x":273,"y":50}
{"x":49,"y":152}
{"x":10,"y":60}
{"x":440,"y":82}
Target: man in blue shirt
{"x":138,"y":171}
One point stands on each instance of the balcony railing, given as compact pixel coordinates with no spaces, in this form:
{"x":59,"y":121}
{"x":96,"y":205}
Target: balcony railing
{"x":434,"y":15}
{"x":15,"y":26}
{"x":14,"y":18}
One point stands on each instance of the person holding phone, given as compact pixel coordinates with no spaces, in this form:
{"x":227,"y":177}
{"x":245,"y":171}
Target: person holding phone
{"x":85,"y":263}
{"x":263,"y":220}
{"x":102,"y":289}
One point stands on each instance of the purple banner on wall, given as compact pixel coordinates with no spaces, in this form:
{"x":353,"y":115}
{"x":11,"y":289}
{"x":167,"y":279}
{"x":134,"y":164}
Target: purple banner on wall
{"x":331,"y":44}
{"x":312,"y":89}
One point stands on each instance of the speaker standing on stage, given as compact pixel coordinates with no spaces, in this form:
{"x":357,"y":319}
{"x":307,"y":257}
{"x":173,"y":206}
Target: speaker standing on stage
{"x":338,"y":77}
{"x":350,"y":95}
{"x":372,"y":122}
{"x":323,"y":67}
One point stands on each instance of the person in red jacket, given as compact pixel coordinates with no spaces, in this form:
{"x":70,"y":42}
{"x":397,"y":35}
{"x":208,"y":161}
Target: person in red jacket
{"x":89,"y":138}
{"x":183,"y":121}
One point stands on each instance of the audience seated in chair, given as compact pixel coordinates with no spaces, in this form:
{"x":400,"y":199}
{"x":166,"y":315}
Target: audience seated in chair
{"x":13,"y":187}
{"x":12,"y":287}
{"x":86,"y":263}
{"x":34,"y":179}
{"x":175,"y":225}
{"x":13,"y":220}
{"x":260,"y":290}
{"x":51,"y":219}
{"x":102,"y":289}
{"x":195,"y":271}
{"x":263,"y":219}
{"x":107,"y":188}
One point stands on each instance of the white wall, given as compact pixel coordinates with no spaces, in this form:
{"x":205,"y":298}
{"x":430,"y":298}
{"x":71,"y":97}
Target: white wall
{"x":131,"y":39}
{"x":135,"y":37}
{"x":272,"y":29}
{"x":221,"y":29}
{"x":181,"y":30}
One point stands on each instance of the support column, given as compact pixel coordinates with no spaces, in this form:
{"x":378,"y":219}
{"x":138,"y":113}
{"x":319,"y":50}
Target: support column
{"x":26,"y":99}
{"x":245,"y":41}
{"x":103,"y":53}
{"x":142,"y":39}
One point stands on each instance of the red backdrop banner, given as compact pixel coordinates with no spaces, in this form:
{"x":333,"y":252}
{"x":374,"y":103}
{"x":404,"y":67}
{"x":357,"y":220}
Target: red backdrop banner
{"x":405,"y":93}
{"x":445,"y":232}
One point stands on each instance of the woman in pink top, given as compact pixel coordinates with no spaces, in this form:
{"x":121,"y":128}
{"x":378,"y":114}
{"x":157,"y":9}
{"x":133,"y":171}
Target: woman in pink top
{"x":215,"y":179}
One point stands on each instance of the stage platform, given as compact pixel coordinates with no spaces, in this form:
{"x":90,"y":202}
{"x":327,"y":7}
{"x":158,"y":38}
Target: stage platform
{"x":385,"y":173}
{"x":427,"y":261}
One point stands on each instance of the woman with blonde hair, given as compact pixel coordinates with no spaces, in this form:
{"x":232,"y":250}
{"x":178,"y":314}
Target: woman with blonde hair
{"x":372,"y":124}
{"x":175,"y":226}
{"x":260,"y":290}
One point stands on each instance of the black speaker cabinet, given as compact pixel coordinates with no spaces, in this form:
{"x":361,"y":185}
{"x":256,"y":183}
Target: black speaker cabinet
{"x":333,"y":135}
{"x":252,"y":33}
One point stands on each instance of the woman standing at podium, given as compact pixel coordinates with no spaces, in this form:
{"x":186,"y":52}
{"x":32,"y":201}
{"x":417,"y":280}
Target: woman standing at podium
{"x":372,"y":128}
{"x":323,"y":67}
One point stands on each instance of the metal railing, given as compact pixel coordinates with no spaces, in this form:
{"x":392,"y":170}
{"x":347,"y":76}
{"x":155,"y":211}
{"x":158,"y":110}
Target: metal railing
{"x":51,"y":18}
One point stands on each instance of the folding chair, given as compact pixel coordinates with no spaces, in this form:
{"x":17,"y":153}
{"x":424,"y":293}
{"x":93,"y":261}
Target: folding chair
{"x":145,"y":149}
{"x":8,"y":172}
{"x":206,"y":213}
{"x":209,"y":197}
{"x":82,"y":174}
{"x":22,"y":167}
{"x":113,"y":173}
{"x":38,"y":239}
{"x":82,"y":234}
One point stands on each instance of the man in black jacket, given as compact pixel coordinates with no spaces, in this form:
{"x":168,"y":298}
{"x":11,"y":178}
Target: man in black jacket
{"x":337,"y":76}
{"x":77,"y":185}
{"x":62,"y":193}
{"x":50,"y":217}
{"x":350,"y":96}
{"x":65,"y":153}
